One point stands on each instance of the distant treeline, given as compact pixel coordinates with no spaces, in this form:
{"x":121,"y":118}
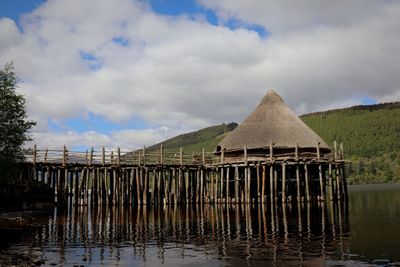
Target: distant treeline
{"x":371,"y":138}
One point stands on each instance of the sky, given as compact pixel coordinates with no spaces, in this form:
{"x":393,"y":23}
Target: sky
{"x":131,"y":73}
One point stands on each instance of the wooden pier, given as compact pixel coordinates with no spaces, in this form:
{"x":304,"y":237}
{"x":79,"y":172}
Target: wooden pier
{"x":158,"y":177}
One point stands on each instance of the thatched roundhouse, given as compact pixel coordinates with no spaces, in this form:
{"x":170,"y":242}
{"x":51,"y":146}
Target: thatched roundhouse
{"x":272,"y":124}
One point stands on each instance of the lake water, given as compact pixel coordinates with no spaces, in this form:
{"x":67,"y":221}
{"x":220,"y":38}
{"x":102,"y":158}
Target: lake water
{"x":366,"y":232}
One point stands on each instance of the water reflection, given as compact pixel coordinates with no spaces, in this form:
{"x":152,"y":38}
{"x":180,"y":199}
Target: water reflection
{"x":212,"y":234}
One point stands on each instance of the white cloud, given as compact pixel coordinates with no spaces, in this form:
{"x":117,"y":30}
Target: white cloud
{"x":125,"y":139}
{"x":288,"y":16}
{"x":181,"y":74}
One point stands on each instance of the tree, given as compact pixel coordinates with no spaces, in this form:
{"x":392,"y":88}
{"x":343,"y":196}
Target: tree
{"x":14,"y":126}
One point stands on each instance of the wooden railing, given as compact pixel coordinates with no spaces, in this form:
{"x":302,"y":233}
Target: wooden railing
{"x":145,"y":157}
{"x":104,"y":157}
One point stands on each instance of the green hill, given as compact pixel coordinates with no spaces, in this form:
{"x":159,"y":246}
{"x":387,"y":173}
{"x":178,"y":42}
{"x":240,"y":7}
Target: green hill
{"x":371,"y":138}
{"x":366,"y":131}
{"x":370,"y":134}
{"x":207,"y":138}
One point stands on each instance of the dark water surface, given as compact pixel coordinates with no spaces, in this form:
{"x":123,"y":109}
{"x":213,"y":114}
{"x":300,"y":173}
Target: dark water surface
{"x":365,"y":233}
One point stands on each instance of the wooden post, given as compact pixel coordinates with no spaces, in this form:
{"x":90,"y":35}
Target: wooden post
{"x":258,"y":192}
{"x":276,"y":183}
{"x":284,"y":182}
{"x":64,"y":162}
{"x":146,"y":183}
{"x":263,"y":184}
{"x":181,"y":156}
{"x":236,"y":184}
{"x":215,"y":186}
{"x":202,"y":185}
{"x":139,"y":202}
{"x":91,"y":157}
{"x":341,"y":150}
{"x":153,"y":188}
{"x":335,"y":149}
{"x":222,"y":156}
{"x":344,"y":181}
{"x":271,"y":182}
{"x":271,"y":152}
{"x":119,"y":156}
{"x":330,"y":182}
{"x":144,"y":156}
{"x":222,"y":174}
{"x":104,"y":190}
{"x":298,"y":183}
{"x":187,"y":186}
{"x":161,"y":155}
{"x":338,"y":183}
{"x":246,"y":186}
{"x":76,"y":187}
{"x":227,"y":186}
{"x":321,"y":182}
{"x":103,"y":156}
{"x":95,"y":184}
{"x":307,"y":180}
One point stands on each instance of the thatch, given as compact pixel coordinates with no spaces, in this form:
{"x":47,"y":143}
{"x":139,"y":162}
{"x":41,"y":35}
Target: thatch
{"x":272,"y":121}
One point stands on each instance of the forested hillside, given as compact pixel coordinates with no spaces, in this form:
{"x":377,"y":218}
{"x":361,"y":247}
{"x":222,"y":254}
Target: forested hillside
{"x":370,"y":134}
{"x":366,"y":131}
{"x":371,"y":137}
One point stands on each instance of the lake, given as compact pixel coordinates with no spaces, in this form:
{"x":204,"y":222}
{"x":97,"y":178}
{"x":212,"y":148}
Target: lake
{"x":366,"y":232}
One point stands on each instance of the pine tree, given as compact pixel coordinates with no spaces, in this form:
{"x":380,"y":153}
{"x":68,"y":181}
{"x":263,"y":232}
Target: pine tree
{"x":14,"y":126}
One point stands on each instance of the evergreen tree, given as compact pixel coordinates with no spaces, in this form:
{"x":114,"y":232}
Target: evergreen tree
{"x":14,"y":126}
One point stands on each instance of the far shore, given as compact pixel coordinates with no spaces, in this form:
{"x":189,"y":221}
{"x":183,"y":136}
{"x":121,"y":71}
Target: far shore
{"x":367,"y":187}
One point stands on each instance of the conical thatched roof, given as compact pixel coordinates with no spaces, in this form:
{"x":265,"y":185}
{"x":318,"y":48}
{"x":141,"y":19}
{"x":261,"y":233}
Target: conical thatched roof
{"x":272,"y":121}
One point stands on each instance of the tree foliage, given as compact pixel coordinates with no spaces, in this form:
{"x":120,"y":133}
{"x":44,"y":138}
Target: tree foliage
{"x":371,"y":138}
{"x":14,"y":125}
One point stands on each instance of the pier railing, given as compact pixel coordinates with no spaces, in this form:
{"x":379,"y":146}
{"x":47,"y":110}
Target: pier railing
{"x":143,"y":157}
{"x":106,"y":157}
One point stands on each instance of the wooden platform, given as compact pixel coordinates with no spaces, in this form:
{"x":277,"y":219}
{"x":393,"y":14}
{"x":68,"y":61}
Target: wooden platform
{"x":158,"y":177}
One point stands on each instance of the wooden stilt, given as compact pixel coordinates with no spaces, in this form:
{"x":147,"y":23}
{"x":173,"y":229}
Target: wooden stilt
{"x":298,"y":185}
{"x":276,"y":184}
{"x":236,"y":184}
{"x":271,"y":180}
{"x":306,"y":177}
{"x":330,"y":182}
{"x":258,"y":192}
{"x":248,"y":185}
{"x":263,"y":184}
{"x":284,"y":183}
{"x":321,"y":183}
{"x":227,"y":196}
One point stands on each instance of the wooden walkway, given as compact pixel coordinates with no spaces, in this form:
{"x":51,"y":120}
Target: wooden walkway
{"x":159,"y":177}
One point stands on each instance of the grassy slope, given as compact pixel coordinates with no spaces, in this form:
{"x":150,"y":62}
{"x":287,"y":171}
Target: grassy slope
{"x":206,"y":138}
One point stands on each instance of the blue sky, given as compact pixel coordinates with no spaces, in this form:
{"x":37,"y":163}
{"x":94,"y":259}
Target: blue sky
{"x":13,"y":8}
{"x":130,"y":74}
